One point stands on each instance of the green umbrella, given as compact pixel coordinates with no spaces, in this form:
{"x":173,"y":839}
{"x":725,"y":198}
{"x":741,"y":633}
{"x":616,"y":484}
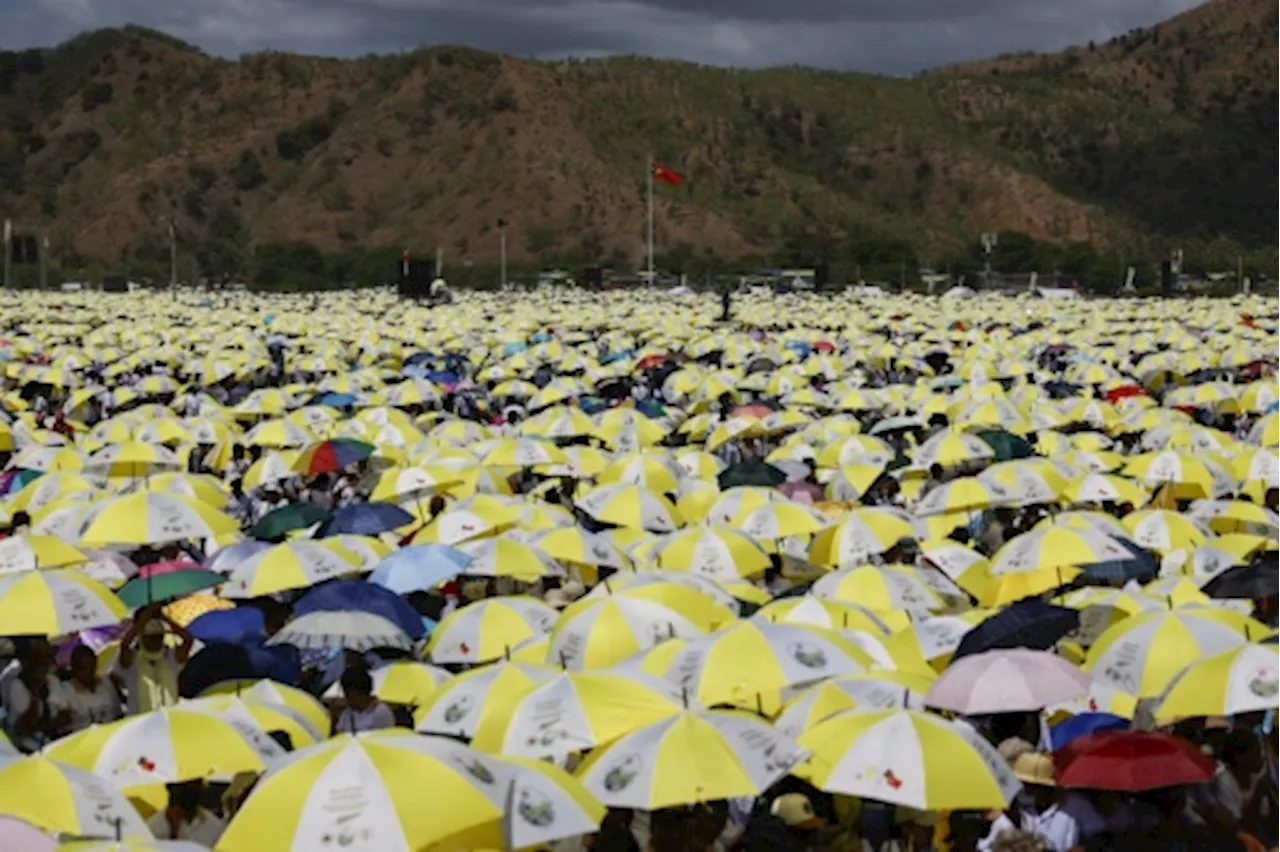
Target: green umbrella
{"x":278,"y":522}
{"x":1006,"y":445}
{"x":166,"y":581}
{"x":753,"y":472}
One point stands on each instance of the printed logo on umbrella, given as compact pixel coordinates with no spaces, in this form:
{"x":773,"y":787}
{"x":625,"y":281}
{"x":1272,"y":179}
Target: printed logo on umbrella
{"x":1264,"y":684}
{"x":536,"y":809}
{"x":619,"y":777}
{"x":809,"y":656}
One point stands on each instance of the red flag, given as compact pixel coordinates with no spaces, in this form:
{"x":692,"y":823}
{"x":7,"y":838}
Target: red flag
{"x":666,"y":175}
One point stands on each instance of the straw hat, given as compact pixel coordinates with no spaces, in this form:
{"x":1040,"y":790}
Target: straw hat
{"x":1013,"y":748}
{"x":796,"y":811}
{"x":573,"y":589}
{"x":1034,"y":768}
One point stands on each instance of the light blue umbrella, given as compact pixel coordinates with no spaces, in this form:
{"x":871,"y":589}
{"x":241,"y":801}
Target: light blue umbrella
{"x":419,"y":568}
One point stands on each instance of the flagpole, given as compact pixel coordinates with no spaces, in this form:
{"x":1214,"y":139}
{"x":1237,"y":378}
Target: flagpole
{"x":652,"y":280}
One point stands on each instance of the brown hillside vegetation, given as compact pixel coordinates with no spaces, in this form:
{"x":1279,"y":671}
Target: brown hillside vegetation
{"x":1166,"y":133}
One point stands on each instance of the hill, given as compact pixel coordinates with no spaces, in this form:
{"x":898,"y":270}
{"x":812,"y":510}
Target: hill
{"x":1164,"y":134}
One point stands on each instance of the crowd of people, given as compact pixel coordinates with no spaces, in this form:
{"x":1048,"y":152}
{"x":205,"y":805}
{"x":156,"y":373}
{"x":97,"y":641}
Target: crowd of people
{"x":373,"y":428}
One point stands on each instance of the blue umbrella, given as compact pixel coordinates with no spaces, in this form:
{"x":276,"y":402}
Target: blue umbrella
{"x":334,"y":399}
{"x":250,"y":660}
{"x":365,"y":519}
{"x":232,"y":626}
{"x":1085,"y":723}
{"x":1139,"y":565}
{"x":1025,"y":624}
{"x":347,"y":595}
{"x":419,"y":568}
{"x":222,"y":561}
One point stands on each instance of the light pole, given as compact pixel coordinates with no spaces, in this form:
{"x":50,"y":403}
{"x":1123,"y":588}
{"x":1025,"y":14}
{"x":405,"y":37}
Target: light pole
{"x":173,"y":253}
{"x":989,"y":240}
{"x":502,"y":252}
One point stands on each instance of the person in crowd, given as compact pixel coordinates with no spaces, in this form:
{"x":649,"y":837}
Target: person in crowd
{"x":25,"y":690}
{"x":84,"y":698}
{"x":147,"y":665}
{"x":185,"y":818}
{"x":363,"y":711}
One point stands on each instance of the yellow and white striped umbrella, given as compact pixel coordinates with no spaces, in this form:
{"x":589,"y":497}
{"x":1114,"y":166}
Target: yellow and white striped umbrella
{"x":910,"y":758}
{"x":42,"y":491}
{"x":1241,"y":680}
{"x":523,"y":452}
{"x":558,"y":421}
{"x":693,"y":757}
{"x":630,"y":506}
{"x":488,"y":629}
{"x":55,"y":603}
{"x":1189,"y":475}
{"x":281,"y":434}
{"x":965,"y":493}
{"x":1141,"y":655}
{"x":576,"y":546}
{"x":475,"y":517}
{"x":1105,"y":488}
{"x":595,"y":707}
{"x":861,"y":534}
{"x":749,"y":663}
{"x":32,"y":551}
{"x":506,"y":557}
{"x":272,"y":468}
{"x":133,"y":458}
{"x":148,"y":517}
{"x":1164,"y":530}
{"x":949,"y":448}
{"x":653,"y":470}
{"x":832,"y":614}
{"x":272,"y":693}
{"x":457,"y":706}
{"x":1052,"y":547}
{"x":597,"y":633}
{"x":401,"y":682}
{"x":297,"y":564}
{"x":716,"y":552}
{"x":262,"y":715}
{"x":882,"y":588}
{"x":167,"y":746}
{"x":406,"y":484}
{"x":781,"y":519}
{"x":876,"y":690}
{"x":490,"y":802}
{"x":62,"y":799}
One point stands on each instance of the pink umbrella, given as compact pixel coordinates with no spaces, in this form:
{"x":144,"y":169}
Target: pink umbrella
{"x":19,"y":836}
{"x":170,"y":567}
{"x":802,"y":492}
{"x":1007,"y":680}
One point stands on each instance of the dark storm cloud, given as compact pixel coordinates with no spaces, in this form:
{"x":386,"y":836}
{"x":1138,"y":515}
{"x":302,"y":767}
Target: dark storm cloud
{"x":890,"y":36}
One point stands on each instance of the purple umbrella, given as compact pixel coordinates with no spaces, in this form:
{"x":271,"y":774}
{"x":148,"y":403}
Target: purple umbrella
{"x":1006,"y":681}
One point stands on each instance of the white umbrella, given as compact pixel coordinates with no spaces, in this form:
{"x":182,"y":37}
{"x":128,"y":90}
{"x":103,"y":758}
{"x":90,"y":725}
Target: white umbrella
{"x":358,"y":631}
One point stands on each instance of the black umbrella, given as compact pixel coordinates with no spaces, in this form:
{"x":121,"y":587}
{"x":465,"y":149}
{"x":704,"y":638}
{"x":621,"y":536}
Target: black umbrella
{"x":1259,"y":579}
{"x":753,"y":472}
{"x":1025,"y":624}
{"x":274,"y":525}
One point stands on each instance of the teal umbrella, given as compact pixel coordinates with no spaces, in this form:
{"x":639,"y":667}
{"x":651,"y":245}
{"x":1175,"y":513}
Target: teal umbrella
{"x":165,"y":581}
{"x":1006,"y":445}
{"x":279,"y":522}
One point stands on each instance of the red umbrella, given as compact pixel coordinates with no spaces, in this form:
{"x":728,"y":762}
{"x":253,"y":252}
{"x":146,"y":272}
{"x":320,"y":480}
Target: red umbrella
{"x":824,"y":346}
{"x":1131,"y":761}
{"x":1123,"y":392}
{"x":754,"y":410}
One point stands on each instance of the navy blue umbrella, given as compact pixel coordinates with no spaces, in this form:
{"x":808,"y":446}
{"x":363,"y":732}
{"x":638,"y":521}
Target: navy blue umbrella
{"x":1025,"y":624}
{"x":347,"y":595}
{"x":221,"y":661}
{"x":365,"y":519}
{"x":234,"y":626}
{"x":1138,"y":566}
{"x":1085,"y":723}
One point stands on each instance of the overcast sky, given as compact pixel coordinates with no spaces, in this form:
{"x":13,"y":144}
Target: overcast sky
{"x":889,"y":36}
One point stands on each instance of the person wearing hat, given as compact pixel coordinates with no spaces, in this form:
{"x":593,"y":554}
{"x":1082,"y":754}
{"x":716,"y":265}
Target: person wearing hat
{"x":789,"y":824}
{"x":149,"y":668}
{"x":1036,"y":809}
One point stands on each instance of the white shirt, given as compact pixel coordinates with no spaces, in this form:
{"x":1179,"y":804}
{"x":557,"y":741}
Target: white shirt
{"x":205,"y":829}
{"x":377,"y":717}
{"x":131,"y":674}
{"x":86,"y":707}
